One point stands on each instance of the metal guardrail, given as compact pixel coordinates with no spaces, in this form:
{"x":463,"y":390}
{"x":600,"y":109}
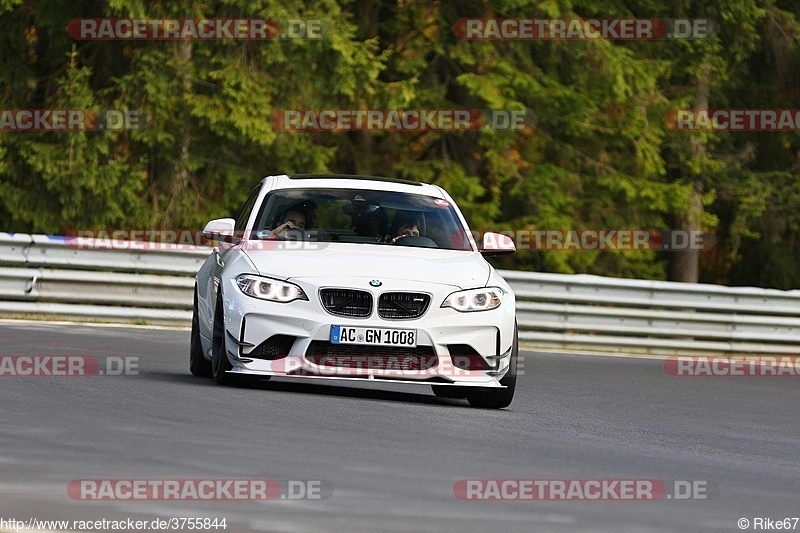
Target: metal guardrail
{"x":55,"y":277}
{"x":580,"y":312}
{"x":46,"y":276}
{"x":60,"y":252}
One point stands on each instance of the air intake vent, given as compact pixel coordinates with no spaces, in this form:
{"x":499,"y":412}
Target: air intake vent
{"x":275,"y":347}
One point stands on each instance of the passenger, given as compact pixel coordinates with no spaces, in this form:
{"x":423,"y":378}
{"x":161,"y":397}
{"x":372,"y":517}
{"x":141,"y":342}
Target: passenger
{"x":404,"y":225}
{"x":296,"y":218}
{"x":292,"y":219}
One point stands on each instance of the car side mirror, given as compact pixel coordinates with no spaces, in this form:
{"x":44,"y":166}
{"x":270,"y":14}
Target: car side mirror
{"x":220,"y":229}
{"x":497,"y":244}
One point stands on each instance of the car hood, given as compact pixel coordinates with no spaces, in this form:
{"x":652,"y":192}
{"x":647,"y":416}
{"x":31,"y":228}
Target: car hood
{"x":464,"y":270}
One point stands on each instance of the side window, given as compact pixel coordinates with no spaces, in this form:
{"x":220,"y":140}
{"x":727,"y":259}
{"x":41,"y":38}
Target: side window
{"x":244,"y":214}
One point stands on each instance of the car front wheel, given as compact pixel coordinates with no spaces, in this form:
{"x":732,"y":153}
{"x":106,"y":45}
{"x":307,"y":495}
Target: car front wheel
{"x":198,"y":364}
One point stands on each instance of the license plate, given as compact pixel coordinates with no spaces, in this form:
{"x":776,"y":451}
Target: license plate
{"x":374,"y":336}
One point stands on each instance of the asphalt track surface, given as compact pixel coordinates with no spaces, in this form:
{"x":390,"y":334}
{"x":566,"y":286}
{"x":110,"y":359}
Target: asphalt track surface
{"x":391,"y":454}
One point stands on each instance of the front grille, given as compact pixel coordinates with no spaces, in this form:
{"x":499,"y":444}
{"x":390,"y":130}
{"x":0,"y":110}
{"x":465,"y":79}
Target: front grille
{"x":371,"y":357}
{"x":346,"y":302}
{"x":403,"y":304}
{"x":275,"y":347}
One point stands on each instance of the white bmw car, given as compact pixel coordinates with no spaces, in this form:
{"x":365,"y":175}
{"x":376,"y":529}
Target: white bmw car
{"x":355,"y":278}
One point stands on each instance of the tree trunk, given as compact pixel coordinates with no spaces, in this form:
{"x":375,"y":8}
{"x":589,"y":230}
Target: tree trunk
{"x":685,"y":264}
{"x":180,"y":171}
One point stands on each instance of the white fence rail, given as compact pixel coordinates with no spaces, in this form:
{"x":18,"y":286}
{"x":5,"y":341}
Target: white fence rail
{"x":45,"y":276}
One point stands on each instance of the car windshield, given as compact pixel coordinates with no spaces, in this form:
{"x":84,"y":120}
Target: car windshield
{"x":360,"y":216}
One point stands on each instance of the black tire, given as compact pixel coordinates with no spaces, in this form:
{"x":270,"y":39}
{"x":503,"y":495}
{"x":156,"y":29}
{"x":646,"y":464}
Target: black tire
{"x":198,"y":364}
{"x":486,"y":398}
{"x":449,"y":391}
{"x":219,"y":359}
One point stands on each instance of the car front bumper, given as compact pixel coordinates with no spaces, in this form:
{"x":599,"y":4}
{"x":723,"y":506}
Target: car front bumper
{"x":293,"y":339}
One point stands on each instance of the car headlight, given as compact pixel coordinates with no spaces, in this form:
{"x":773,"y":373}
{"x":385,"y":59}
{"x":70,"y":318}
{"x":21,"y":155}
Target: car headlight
{"x":269,"y":289}
{"x":475,"y":299}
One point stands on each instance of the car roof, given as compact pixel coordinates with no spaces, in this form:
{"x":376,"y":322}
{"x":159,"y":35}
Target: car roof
{"x":348,"y":181}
